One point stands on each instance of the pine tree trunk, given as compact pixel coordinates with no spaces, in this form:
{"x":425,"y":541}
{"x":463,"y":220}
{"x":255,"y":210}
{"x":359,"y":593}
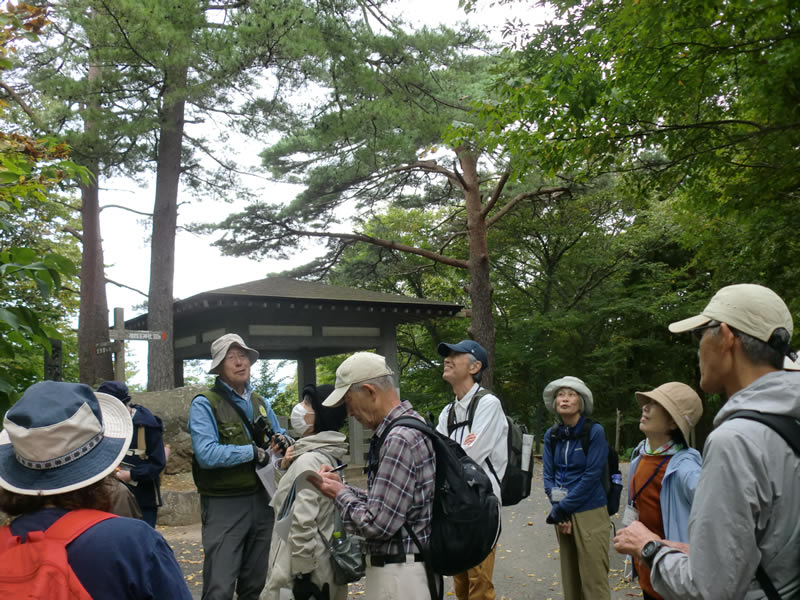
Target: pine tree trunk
{"x":93,"y":368}
{"x":480,"y":288}
{"x":160,"y":358}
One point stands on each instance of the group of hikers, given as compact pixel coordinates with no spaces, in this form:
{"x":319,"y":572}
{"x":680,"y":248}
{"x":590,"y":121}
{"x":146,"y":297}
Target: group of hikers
{"x":724,"y":525}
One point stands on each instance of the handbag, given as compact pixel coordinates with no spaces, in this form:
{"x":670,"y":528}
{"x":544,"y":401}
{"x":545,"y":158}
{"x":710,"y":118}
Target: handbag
{"x":347,"y":560}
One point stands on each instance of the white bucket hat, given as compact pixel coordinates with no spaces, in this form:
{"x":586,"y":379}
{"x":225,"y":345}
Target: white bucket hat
{"x":573,"y":383}
{"x":361,"y":366}
{"x":60,"y":437}
{"x":220,"y":347}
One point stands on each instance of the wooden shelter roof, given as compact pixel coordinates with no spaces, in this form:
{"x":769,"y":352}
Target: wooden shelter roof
{"x":285,"y":318}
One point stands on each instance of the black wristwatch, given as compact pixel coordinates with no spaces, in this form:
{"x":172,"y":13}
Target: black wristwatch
{"x":649,"y":552}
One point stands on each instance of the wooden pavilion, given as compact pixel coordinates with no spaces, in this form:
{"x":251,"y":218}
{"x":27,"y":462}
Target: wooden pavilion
{"x":289,"y":319}
{"x":285,"y":318}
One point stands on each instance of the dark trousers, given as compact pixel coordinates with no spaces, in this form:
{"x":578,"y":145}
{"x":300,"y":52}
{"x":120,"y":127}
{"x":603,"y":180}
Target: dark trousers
{"x":236,"y":536}
{"x":149,"y":516}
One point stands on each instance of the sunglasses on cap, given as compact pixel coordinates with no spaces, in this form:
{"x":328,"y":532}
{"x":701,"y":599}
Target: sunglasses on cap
{"x":697,"y":332}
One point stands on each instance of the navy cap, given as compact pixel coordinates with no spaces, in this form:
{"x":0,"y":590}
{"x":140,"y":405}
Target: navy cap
{"x":117,"y":389}
{"x":466,"y":347}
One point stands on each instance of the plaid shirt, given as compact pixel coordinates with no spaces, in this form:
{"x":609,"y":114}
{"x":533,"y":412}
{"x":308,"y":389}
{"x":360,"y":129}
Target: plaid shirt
{"x":400,"y":491}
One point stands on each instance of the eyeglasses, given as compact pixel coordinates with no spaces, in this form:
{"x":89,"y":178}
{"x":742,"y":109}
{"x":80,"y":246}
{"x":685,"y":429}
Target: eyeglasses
{"x":697,"y":332}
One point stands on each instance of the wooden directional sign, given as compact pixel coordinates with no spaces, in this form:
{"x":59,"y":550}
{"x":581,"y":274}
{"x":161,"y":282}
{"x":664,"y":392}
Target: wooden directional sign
{"x":119,"y":333}
{"x":106,"y":347}
{"x":128,"y":334}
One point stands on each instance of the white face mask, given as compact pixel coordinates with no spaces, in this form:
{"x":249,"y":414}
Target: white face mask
{"x":300,"y":418}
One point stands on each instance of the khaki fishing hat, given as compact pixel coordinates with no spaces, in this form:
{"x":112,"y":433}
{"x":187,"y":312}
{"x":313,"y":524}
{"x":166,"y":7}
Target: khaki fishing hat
{"x":220,"y":347}
{"x":361,"y":366}
{"x":680,"y":401}
{"x":61,"y":437}
{"x":749,"y":308}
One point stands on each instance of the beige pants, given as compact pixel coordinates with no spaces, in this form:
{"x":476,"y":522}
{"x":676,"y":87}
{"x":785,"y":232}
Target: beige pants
{"x":403,"y":581}
{"x":584,"y":556}
{"x":476,"y":584}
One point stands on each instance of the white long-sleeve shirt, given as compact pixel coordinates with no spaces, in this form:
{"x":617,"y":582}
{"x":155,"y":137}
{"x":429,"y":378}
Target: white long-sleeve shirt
{"x":490,"y":428}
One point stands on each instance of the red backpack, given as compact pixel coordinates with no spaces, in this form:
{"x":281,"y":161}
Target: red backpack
{"x":38,"y":569}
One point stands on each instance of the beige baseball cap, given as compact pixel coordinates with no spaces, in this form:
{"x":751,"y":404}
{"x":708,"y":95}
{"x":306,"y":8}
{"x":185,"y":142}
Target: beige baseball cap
{"x":750,"y":308}
{"x":361,"y":366}
{"x":680,"y":401}
{"x":221,"y":345}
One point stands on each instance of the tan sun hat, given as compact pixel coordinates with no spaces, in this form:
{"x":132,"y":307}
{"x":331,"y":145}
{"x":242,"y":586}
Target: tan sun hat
{"x":680,"y":401}
{"x":361,"y":366}
{"x":750,"y":308}
{"x":220,"y":347}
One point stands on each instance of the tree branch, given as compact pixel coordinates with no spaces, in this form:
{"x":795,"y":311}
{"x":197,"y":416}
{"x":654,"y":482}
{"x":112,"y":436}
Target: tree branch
{"x":144,"y":214}
{"x":429,"y":166}
{"x":519,"y":198}
{"x":28,"y":110}
{"x":498,"y":189}
{"x":360,"y":237}
{"x":127,"y":287}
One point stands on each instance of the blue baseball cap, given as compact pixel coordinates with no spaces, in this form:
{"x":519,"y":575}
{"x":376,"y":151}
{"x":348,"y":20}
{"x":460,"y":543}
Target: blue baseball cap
{"x":466,"y":347}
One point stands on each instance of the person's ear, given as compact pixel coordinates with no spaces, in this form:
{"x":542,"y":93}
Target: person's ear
{"x":726,"y":337}
{"x":478,"y":366}
{"x":371,"y":390}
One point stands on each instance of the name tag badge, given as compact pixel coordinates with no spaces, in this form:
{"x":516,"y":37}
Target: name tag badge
{"x":558,"y":494}
{"x":629,"y":516}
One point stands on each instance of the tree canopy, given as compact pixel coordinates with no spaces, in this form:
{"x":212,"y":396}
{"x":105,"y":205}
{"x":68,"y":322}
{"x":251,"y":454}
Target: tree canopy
{"x":36,"y":255}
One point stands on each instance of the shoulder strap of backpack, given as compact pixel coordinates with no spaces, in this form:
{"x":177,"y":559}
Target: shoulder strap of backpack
{"x":789,"y":429}
{"x":377,"y":441}
{"x":451,"y":418}
{"x":586,"y":435}
{"x":785,"y":426}
{"x":407,"y":421}
{"x":473,"y":406}
{"x":75,"y":522}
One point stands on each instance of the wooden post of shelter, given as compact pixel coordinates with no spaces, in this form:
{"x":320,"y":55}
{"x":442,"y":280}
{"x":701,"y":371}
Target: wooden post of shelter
{"x":616,"y":432}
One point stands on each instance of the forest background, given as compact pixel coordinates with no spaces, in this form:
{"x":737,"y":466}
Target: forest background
{"x":577,"y":186}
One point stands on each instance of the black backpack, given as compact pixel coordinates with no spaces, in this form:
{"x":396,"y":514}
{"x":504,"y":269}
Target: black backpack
{"x":466,"y":513}
{"x":789,"y":429}
{"x":516,"y":483}
{"x":611,"y":478}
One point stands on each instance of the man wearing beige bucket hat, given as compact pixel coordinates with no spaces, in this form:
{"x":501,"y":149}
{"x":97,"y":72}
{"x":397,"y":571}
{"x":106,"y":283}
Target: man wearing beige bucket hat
{"x":664,"y":470}
{"x":744,"y":526}
{"x":228,"y":446}
{"x":59,"y":448}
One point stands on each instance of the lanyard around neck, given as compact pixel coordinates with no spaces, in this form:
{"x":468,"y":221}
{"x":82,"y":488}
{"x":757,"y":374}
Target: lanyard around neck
{"x":646,"y":483}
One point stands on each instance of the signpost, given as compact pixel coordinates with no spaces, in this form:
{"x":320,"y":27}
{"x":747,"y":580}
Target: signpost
{"x":118,"y":333}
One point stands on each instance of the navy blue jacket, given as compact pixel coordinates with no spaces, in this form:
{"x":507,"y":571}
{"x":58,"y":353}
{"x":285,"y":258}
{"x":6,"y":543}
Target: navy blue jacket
{"x":146,"y":474}
{"x":119,"y":558}
{"x":566,"y":466}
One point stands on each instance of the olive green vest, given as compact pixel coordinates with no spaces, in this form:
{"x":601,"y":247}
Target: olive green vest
{"x":240,"y":479}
